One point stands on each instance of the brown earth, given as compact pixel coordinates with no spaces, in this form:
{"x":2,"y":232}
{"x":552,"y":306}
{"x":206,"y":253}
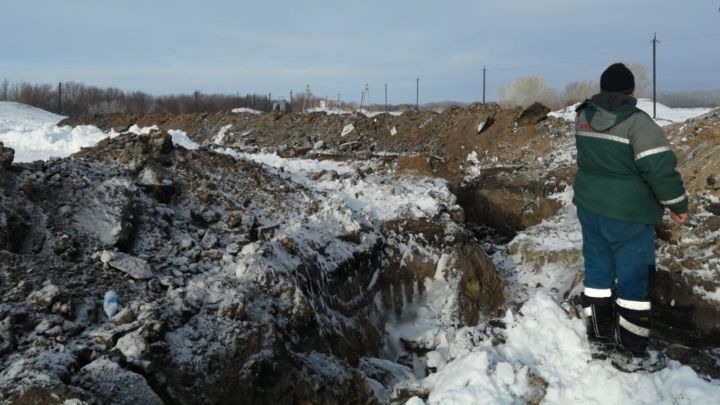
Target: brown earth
{"x":442,"y":140}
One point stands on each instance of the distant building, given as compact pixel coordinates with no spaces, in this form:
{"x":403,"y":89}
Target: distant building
{"x":282,"y":106}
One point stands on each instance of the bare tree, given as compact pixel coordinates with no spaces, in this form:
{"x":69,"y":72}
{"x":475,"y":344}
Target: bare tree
{"x":527,"y":90}
{"x":579,"y":91}
{"x":643,"y":80}
{"x":4,"y":90}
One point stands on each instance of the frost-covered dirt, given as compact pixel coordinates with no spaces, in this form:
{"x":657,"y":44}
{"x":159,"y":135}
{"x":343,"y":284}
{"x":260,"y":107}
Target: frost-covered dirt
{"x":244,"y":276}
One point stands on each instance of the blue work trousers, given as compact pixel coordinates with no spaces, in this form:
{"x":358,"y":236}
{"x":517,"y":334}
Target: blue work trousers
{"x":618,"y":254}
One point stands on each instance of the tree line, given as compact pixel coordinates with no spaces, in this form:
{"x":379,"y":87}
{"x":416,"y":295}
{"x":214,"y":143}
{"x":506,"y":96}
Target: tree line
{"x":527,"y":90}
{"x":74,"y":98}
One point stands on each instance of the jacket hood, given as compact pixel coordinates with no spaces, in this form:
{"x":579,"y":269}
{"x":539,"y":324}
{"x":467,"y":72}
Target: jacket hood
{"x":607,"y":109}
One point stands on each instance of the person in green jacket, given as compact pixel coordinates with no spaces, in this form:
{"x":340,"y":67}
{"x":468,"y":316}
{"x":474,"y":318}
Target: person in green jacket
{"x":626,"y":179}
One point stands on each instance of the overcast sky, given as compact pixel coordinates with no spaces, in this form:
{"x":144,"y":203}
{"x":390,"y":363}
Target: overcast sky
{"x":178,"y":46}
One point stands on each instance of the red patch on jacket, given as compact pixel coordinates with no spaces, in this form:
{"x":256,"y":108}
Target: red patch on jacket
{"x":584,"y":125}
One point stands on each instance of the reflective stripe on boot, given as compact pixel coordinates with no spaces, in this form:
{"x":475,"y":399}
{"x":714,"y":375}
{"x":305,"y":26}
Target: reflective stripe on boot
{"x":633,"y":325}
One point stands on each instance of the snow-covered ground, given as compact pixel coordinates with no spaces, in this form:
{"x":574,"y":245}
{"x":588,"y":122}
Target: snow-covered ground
{"x":665,"y":115}
{"x":541,"y":339}
{"x":339,"y":111}
{"x":34,"y":135}
{"x":541,"y":342}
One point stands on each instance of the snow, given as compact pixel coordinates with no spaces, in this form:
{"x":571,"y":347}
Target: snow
{"x":180,"y":138}
{"x":542,"y":340}
{"x":220,"y":137}
{"x":16,"y":115}
{"x":34,"y":135}
{"x":246,"y":110}
{"x":347,"y":129}
{"x":665,"y":115}
{"x":135,"y":129}
{"x":371,"y":196}
{"x":548,"y":343}
{"x":339,"y":111}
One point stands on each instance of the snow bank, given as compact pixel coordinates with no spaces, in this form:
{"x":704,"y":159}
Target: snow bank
{"x":47,"y":140}
{"x":665,"y":115}
{"x":34,"y":136}
{"x":548,"y":343}
{"x":16,"y":115}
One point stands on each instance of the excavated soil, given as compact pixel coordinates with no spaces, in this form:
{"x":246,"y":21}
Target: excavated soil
{"x":425,"y":142}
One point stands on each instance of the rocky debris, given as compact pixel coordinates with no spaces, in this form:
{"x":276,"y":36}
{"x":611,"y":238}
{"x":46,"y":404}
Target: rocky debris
{"x":44,"y":297}
{"x":134,"y":267}
{"x":14,"y":228}
{"x":107,"y":215}
{"x":125,"y":316}
{"x":111,"y":383}
{"x":223,"y":295}
{"x":485,"y":123}
{"x":156,"y":182}
{"x":6,"y":157}
{"x":532,"y":115}
{"x":8,"y":340}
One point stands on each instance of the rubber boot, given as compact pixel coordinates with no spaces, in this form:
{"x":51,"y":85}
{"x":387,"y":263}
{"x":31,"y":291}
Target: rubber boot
{"x":600,"y":324}
{"x":633,"y":331}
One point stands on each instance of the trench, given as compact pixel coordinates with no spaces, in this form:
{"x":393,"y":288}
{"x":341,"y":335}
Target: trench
{"x":675,"y":327}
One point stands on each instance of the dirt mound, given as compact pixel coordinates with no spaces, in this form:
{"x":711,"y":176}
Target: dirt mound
{"x":447,"y":137}
{"x":698,"y":149}
{"x":223,"y":296}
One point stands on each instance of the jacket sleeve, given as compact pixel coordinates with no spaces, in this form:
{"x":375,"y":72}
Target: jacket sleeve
{"x":657,"y":164}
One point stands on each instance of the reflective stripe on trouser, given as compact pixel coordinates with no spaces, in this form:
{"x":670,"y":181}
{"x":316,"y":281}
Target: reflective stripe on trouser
{"x":633,"y":324}
{"x":617,"y":250}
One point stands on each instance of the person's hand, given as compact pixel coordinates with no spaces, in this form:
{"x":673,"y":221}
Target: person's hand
{"x":679,"y":218}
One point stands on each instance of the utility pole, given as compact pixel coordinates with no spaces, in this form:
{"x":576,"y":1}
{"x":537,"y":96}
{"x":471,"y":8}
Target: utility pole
{"x":386,"y":108}
{"x":417,"y":94}
{"x":483,"y":84}
{"x":269,"y":101}
{"x":654,"y":42}
{"x":367,"y":90}
{"x":196,"y":101}
{"x":59,"y":98}
{"x":291,"y":100}
{"x":306,"y":98}
{"x":338,"y":105}
{"x":253,"y":107}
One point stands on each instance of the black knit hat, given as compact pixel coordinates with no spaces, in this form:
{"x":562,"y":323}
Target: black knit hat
{"x":617,"y":77}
